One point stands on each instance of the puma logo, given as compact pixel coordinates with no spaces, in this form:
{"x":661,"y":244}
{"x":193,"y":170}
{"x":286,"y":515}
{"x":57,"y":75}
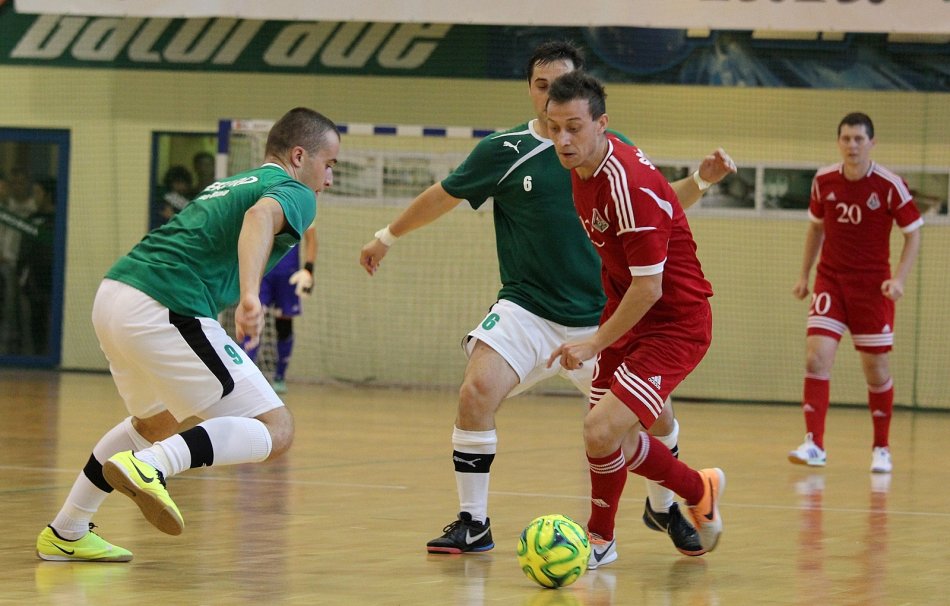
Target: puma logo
{"x":513,"y":146}
{"x":469,"y":462}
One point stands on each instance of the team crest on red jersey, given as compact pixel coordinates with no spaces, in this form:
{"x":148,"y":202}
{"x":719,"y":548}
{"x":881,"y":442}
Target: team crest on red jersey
{"x":598,"y":222}
{"x":873,"y":202}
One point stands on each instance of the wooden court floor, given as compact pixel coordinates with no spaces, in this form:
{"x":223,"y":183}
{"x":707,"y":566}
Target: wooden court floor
{"x":343,"y":519}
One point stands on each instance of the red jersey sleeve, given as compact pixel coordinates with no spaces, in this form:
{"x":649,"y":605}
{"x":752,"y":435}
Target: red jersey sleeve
{"x":646,"y":233}
{"x":905,"y":211}
{"x":816,"y":208}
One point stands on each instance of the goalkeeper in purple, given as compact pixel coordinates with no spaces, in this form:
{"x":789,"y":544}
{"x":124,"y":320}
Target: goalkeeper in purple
{"x":281,"y":290}
{"x":155,"y":315}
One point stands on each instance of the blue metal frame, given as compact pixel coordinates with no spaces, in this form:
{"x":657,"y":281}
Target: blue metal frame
{"x":59,"y":138}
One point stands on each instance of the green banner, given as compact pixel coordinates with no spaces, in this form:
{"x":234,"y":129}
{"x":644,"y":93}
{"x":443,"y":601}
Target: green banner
{"x":873,"y":61}
{"x":226,"y":44}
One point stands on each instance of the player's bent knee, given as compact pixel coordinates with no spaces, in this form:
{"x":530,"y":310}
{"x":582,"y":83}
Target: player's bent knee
{"x":280,"y":425}
{"x":818,"y":366}
{"x":598,"y":438}
{"x":665,"y":422}
{"x":476,"y":398}
{"x":156,"y":428}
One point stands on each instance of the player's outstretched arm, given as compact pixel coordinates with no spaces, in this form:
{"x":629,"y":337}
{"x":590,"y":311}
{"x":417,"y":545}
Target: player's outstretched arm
{"x":426,"y":208}
{"x":714,"y":168}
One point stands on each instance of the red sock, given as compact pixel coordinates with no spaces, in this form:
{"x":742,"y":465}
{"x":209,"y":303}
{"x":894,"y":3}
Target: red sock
{"x":815,"y":407}
{"x":607,"y":478}
{"x":654,"y":461}
{"x":881,"y":403}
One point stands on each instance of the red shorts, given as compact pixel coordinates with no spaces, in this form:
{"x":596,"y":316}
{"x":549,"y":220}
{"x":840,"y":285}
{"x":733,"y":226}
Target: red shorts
{"x":854,"y":303}
{"x":644,"y":366}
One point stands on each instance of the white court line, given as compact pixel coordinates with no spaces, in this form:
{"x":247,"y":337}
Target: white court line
{"x":208,"y":478}
{"x":501,"y":493}
{"x":292,"y":482}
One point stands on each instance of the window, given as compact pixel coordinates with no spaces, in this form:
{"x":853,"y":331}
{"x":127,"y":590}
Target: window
{"x":33,"y":185}
{"x":182,"y":166}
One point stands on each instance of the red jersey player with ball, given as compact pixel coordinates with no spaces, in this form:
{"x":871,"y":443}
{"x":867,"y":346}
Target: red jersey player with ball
{"x":853,"y":205}
{"x":656,"y":326}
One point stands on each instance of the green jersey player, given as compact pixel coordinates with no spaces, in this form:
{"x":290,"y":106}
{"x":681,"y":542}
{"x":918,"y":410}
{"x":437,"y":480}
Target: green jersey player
{"x":155,"y":318}
{"x":550,"y":292}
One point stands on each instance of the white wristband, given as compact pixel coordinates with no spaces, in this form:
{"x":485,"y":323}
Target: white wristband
{"x":385,"y":236}
{"x":701,"y":183}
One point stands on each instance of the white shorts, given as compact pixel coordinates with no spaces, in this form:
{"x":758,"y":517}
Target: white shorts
{"x":162,"y":361}
{"x":526,"y":341}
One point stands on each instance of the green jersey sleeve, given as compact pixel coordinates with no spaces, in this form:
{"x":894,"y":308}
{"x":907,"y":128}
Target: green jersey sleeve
{"x":297,"y":201}
{"x":477,"y":177}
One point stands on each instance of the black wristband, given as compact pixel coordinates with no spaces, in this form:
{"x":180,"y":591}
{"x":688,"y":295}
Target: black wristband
{"x":308,"y":267}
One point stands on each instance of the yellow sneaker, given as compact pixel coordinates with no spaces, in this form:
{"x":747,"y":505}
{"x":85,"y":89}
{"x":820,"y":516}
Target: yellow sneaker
{"x":146,"y":486}
{"x":705,"y":514}
{"x":90,"y":548}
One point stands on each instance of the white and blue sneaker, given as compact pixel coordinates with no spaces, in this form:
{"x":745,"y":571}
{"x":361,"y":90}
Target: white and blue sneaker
{"x":881,"y":460}
{"x":602,"y":552}
{"x":808,"y":453}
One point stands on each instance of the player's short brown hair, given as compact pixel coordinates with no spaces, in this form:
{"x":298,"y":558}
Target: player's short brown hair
{"x":579,"y":84}
{"x":302,"y":127}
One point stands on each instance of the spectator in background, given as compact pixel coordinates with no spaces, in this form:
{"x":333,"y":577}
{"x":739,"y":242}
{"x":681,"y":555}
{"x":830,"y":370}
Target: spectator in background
{"x":203,"y":165}
{"x":176,"y":193}
{"x":4,"y":193}
{"x":36,"y":266}
{"x":18,"y":205}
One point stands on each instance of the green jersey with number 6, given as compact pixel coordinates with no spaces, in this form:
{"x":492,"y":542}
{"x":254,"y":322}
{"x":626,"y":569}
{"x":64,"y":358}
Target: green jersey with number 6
{"x":547,"y":263}
{"x":190,"y":264}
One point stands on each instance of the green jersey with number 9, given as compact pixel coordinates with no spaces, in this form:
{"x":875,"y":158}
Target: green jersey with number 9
{"x":190,"y":264}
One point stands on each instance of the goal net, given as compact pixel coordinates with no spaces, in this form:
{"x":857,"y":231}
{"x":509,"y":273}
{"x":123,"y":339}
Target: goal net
{"x":404,"y":325}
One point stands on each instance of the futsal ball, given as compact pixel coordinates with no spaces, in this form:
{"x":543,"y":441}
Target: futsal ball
{"x":553,"y":551}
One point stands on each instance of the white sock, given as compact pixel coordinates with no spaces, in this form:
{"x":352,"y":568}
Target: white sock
{"x":234,"y":440}
{"x":473,"y":487}
{"x":85,"y":498}
{"x":661,"y":497}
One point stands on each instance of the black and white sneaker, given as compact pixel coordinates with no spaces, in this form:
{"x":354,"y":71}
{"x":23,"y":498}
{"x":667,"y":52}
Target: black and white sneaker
{"x":655,"y":520}
{"x":684,"y":536}
{"x":463,"y":535}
